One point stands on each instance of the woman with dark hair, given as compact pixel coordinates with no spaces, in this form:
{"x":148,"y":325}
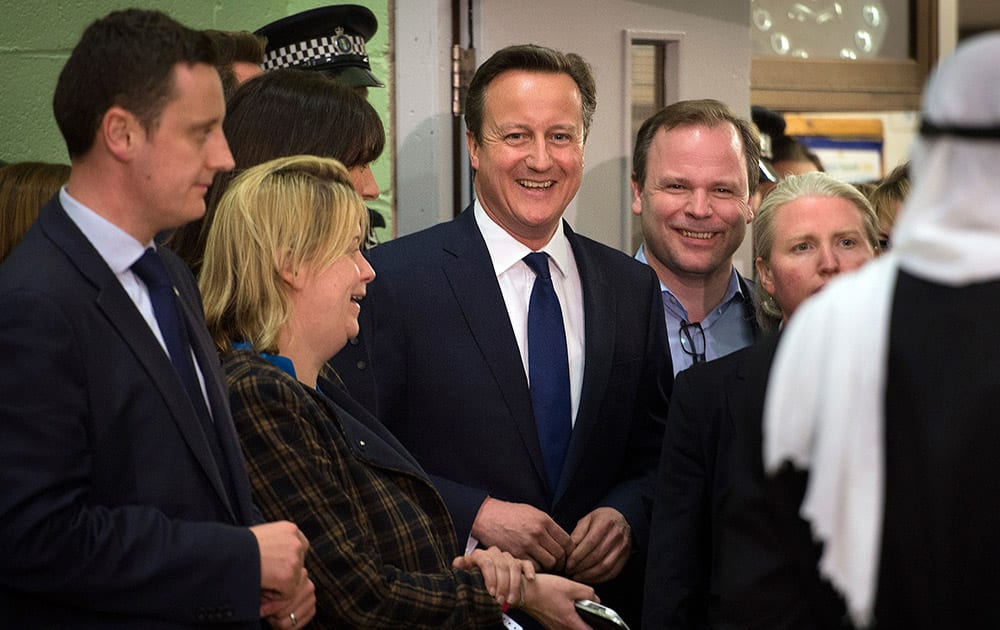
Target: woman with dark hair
{"x":290,"y":112}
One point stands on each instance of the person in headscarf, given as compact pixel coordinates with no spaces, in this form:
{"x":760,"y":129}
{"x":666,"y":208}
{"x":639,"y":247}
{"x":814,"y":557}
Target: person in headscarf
{"x":886,"y":386}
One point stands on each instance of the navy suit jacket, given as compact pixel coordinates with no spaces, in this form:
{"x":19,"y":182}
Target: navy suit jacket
{"x":705,"y":410}
{"x":113,"y":512}
{"x":438,"y":363}
{"x":707,"y":405}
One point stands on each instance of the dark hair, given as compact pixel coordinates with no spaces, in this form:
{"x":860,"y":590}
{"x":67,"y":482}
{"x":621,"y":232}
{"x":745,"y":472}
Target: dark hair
{"x":282,"y":113}
{"x":708,"y":112}
{"x":530,"y":58}
{"x":127,"y":59}
{"x":789,"y":149}
{"x":24,"y":187}
{"x":232,"y":47}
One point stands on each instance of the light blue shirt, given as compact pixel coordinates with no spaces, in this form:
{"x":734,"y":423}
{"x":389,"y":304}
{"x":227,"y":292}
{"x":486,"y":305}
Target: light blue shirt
{"x":726,"y":326}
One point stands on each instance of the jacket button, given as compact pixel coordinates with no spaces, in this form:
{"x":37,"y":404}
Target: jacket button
{"x":362,"y":365}
{"x":361,"y":443}
{"x":353,"y":341}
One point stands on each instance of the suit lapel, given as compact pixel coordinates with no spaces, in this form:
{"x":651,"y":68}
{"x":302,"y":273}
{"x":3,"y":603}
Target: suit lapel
{"x":735,"y":388}
{"x":470,"y":273}
{"x":599,"y":306}
{"x":123,"y":316}
{"x":749,"y":312}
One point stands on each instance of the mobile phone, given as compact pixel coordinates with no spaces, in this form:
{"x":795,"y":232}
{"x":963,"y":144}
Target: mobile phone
{"x":600,"y":617}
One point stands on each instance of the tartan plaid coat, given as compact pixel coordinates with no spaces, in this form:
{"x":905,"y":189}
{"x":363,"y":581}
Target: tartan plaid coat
{"x":381,"y":539}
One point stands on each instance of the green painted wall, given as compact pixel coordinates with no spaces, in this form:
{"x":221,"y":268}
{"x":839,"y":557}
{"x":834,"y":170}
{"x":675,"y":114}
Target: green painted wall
{"x":37,"y":36}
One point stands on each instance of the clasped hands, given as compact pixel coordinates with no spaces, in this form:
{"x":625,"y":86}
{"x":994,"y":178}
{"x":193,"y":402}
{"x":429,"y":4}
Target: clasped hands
{"x":595,"y":552}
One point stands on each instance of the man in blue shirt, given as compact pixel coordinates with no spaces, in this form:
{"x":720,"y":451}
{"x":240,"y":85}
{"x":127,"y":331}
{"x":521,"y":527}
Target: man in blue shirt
{"x":695,"y":167}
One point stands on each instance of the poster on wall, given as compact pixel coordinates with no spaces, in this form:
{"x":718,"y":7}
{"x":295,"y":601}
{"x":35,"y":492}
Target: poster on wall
{"x":853,"y":161}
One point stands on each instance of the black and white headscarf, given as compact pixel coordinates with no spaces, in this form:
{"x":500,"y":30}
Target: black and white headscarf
{"x":824,"y":405}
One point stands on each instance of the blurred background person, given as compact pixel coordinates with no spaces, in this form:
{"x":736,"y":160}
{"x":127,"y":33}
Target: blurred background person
{"x":809,"y":229}
{"x":290,"y":112}
{"x":24,"y":187}
{"x":887,"y":200}
{"x":239,"y":57}
{"x":786,"y":154}
{"x":790,"y":157}
{"x":282,"y":282}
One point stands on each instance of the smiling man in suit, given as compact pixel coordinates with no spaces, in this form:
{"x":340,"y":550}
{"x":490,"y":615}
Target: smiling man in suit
{"x":126,"y":502}
{"x":525,"y":366}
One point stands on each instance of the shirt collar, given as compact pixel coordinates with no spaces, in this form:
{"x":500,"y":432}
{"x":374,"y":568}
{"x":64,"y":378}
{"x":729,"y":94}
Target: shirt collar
{"x":506,"y":251}
{"x":116,"y":246}
{"x":734,"y":289}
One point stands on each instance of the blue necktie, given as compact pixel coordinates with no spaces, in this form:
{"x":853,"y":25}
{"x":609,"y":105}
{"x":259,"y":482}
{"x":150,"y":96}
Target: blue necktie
{"x":548,"y":369}
{"x":153,"y":272}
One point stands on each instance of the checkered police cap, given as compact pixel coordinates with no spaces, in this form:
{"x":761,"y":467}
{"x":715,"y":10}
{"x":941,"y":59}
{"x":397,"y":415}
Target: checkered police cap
{"x":330,"y":39}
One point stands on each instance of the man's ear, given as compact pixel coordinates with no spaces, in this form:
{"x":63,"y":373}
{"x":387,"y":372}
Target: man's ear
{"x":119,"y":130}
{"x":636,"y":197}
{"x":470,"y":141}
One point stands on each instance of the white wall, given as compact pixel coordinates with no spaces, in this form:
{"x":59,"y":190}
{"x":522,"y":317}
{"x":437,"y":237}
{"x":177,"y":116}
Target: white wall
{"x":422,"y":113}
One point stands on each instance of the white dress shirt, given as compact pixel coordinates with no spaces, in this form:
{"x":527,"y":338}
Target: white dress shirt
{"x":516,"y":280}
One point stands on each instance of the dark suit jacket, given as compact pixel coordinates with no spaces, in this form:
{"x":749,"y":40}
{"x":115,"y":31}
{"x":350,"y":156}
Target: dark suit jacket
{"x":693,"y":475}
{"x":114,"y":512}
{"x":381,"y":540}
{"x":450,"y":383}
{"x":766,"y":558}
{"x":749,"y":312}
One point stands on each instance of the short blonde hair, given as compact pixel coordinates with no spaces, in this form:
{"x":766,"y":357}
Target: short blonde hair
{"x":274,"y":217}
{"x":816,"y":184}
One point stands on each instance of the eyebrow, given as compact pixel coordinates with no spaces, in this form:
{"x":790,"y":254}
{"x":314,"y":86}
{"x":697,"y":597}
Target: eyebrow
{"x":514,"y":126}
{"x":812,"y":235}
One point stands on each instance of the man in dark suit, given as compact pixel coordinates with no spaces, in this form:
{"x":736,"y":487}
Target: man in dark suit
{"x":448,"y":324}
{"x":126,"y":502}
{"x":695,"y":167}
